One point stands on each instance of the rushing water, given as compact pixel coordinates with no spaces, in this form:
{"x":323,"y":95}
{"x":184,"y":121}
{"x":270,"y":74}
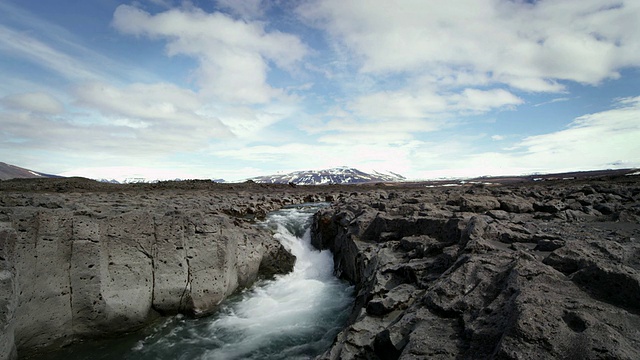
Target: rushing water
{"x":294,"y":316}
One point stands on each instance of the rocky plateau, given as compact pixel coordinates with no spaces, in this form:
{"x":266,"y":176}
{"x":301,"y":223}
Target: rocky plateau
{"x":528,"y":271}
{"x":514,"y":271}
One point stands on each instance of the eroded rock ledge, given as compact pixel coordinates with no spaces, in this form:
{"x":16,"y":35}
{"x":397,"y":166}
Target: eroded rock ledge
{"x":84,"y":260}
{"x":508,"y":272}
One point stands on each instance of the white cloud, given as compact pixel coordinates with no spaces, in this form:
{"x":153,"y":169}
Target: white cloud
{"x":33,"y":102}
{"x":296,"y":156}
{"x":400,"y":105}
{"x":161,"y":101}
{"x":590,"y":141}
{"x":484,"y":100}
{"x":561,"y":99}
{"x":234,"y":56}
{"x":53,"y":47}
{"x":135,"y":123}
{"x":249,"y":123}
{"x":607,"y":139}
{"x":524,"y":45}
{"x":400,"y":79}
{"x":390,"y":117}
{"x":168,"y":114}
{"x":25,"y":46}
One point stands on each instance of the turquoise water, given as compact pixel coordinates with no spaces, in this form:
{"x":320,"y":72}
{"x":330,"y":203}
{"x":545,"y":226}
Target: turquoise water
{"x":293,"y":316}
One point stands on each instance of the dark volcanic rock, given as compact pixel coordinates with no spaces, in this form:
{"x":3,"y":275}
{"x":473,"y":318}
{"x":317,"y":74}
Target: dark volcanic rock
{"x":545,"y":271}
{"x":81,"y":259}
{"x":526,"y":271}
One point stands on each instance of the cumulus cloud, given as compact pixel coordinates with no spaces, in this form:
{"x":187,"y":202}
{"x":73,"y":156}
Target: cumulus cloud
{"x":582,"y":41}
{"x":33,"y":102}
{"x":138,"y":121}
{"x":387,"y":87}
{"x":159,"y":112}
{"x":234,"y":56}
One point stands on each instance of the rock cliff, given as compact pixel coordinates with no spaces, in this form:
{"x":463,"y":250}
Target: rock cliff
{"x":83,"y":260}
{"x":538,"y":271}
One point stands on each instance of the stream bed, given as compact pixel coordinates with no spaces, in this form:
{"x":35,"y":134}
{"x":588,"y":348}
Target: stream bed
{"x":293,"y":316}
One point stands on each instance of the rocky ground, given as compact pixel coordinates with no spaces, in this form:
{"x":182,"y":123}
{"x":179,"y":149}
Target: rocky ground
{"x":81,"y":259}
{"x":516,"y":271}
{"x":533,"y":271}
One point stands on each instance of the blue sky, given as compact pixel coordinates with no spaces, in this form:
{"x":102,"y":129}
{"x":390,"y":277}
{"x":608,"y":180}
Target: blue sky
{"x":232,"y":89}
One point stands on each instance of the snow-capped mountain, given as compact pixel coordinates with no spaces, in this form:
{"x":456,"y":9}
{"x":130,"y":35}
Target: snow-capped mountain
{"x":131,"y":180}
{"x":141,"y":180}
{"x":341,"y":175}
{"x":8,"y":171}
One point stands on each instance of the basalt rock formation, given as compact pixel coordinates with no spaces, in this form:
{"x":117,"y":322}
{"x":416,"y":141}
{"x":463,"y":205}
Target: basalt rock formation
{"x":79,"y":259}
{"x":537,"y":271}
{"x":516,"y":271}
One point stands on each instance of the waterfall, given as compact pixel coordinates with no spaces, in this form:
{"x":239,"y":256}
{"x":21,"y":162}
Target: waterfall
{"x":293,"y":316}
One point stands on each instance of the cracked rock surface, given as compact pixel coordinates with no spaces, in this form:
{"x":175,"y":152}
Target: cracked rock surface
{"x":529,"y":271}
{"x":533,"y":271}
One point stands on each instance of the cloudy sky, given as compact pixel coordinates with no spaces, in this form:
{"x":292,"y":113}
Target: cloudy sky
{"x":231,"y":89}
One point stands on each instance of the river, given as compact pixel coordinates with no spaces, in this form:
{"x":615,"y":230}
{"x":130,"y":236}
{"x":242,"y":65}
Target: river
{"x":293,"y":316}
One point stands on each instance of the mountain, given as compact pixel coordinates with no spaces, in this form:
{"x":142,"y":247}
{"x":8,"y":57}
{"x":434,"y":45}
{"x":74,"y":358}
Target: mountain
{"x":141,"y":180}
{"x":8,"y":171}
{"x":341,"y":175}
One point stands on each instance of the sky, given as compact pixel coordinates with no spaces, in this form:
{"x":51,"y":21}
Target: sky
{"x":228,"y":89}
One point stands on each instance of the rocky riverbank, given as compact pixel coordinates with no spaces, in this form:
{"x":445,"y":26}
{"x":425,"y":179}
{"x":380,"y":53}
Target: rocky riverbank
{"x":535,"y":271}
{"x":515,"y":271}
{"x":80,"y":259}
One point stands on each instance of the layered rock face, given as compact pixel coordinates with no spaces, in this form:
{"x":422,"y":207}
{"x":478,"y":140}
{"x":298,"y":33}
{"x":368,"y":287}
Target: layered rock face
{"x":548,"y":271}
{"x":95,"y":263}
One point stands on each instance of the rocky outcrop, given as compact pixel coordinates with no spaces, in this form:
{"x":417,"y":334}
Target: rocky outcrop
{"x":89,"y":264}
{"x":509,"y":272}
{"x":506,"y":272}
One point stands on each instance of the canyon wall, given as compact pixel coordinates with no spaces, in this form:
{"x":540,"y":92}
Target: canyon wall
{"x":88,"y":264}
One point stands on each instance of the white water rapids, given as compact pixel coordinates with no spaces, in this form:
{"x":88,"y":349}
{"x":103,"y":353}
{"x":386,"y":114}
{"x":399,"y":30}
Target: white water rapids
{"x":293,"y":316}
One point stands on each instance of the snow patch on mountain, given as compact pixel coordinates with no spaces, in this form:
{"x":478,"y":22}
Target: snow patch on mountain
{"x":340,"y":175}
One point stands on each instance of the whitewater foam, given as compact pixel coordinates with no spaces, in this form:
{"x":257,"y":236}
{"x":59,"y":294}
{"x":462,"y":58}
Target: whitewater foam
{"x":292,"y":316}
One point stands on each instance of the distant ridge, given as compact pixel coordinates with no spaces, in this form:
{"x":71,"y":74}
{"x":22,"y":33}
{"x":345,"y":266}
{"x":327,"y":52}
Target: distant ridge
{"x":141,"y":180}
{"x":8,"y":171}
{"x":340,"y":175}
